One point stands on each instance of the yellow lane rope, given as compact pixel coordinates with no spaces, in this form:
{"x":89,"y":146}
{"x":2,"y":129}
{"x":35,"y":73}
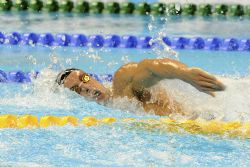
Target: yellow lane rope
{"x":231,"y":129}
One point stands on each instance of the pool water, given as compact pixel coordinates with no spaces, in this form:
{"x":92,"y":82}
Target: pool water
{"x":126,"y":24}
{"x":120,"y":144}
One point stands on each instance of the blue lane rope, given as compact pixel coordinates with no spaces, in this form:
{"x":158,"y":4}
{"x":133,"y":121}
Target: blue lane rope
{"x":125,"y":41}
{"x":26,"y":77}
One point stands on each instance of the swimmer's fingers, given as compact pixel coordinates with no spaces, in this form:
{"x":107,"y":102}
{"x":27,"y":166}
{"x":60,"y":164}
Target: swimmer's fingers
{"x":215,"y":84}
{"x":199,"y":74}
{"x":207,"y":84}
{"x":220,"y":85}
{"x":201,"y":78}
{"x":204,"y":81}
{"x":208,"y":91}
{"x":212,"y":85}
{"x":203,"y":75}
{"x":205,"y":88}
{"x":206,"y":77}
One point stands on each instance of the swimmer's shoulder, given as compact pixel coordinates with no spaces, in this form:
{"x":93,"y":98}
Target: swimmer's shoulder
{"x":123,"y":76}
{"x":128,"y":65}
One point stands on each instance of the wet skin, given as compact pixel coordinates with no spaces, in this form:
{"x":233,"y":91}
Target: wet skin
{"x":134,"y":80}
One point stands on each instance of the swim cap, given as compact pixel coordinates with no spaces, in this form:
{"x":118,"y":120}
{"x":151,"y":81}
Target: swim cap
{"x":63,"y":75}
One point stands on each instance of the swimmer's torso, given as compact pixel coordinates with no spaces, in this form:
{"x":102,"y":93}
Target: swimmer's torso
{"x":152,"y":101}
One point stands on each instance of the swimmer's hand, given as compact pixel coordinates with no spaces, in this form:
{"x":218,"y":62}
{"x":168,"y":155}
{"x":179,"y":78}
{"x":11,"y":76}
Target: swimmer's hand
{"x":203,"y":81}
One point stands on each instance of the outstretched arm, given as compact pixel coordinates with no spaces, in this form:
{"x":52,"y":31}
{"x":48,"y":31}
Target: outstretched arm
{"x":151,"y":71}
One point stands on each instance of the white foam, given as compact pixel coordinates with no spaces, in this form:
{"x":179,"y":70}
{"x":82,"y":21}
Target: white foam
{"x":126,"y":104}
{"x":42,"y":94}
{"x":228,"y":105}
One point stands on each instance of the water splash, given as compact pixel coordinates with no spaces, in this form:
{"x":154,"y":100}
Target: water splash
{"x":32,"y":59}
{"x":228,"y":105}
{"x":161,"y":49}
{"x":40,"y":94}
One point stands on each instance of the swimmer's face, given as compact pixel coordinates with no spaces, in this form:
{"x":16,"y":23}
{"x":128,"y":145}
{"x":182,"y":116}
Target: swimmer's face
{"x":86,"y":86}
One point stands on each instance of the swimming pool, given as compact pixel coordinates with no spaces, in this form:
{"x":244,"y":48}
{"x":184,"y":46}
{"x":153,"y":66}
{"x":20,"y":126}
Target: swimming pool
{"x":119,"y":144}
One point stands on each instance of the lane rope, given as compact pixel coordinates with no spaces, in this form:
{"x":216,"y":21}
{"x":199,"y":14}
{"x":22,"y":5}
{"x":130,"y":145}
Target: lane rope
{"x":125,"y":41}
{"x":26,"y":77}
{"x":214,"y":127}
{"x":143,"y":8}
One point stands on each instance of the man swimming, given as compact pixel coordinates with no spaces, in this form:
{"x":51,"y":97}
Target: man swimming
{"x":134,"y":81}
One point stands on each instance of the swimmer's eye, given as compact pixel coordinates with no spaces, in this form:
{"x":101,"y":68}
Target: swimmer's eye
{"x":77,"y":89}
{"x":85,"y":78}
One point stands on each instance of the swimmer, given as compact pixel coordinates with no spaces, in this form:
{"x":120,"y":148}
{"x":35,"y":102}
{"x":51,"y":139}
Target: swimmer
{"x":134,"y":81}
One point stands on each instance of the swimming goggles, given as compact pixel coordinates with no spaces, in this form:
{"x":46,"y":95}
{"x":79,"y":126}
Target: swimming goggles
{"x":85,"y":78}
{"x":63,"y":75}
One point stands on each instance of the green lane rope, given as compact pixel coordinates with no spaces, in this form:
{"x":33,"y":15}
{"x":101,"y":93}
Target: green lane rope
{"x":112,"y":7}
{"x":221,"y":9}
{"x":20,"y":5}
{"x":96,"y":7}
{"x":66,"y":5}
{"x":127,"y":8}
{"x":204,"y":10}
{"x":236,"y":10}
{"x":51,"y":6}
{"x":189,"y":9}
{"x":35,"y":5}
{"x":81,"y":6}
{"x":174,"y":9}
{"x":143,"y":8}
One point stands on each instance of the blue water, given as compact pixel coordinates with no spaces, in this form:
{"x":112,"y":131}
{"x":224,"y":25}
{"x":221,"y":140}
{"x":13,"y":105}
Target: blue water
{"x":103,"y":61}
{"x":118,"y":144}
{"x":126,"y":24}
